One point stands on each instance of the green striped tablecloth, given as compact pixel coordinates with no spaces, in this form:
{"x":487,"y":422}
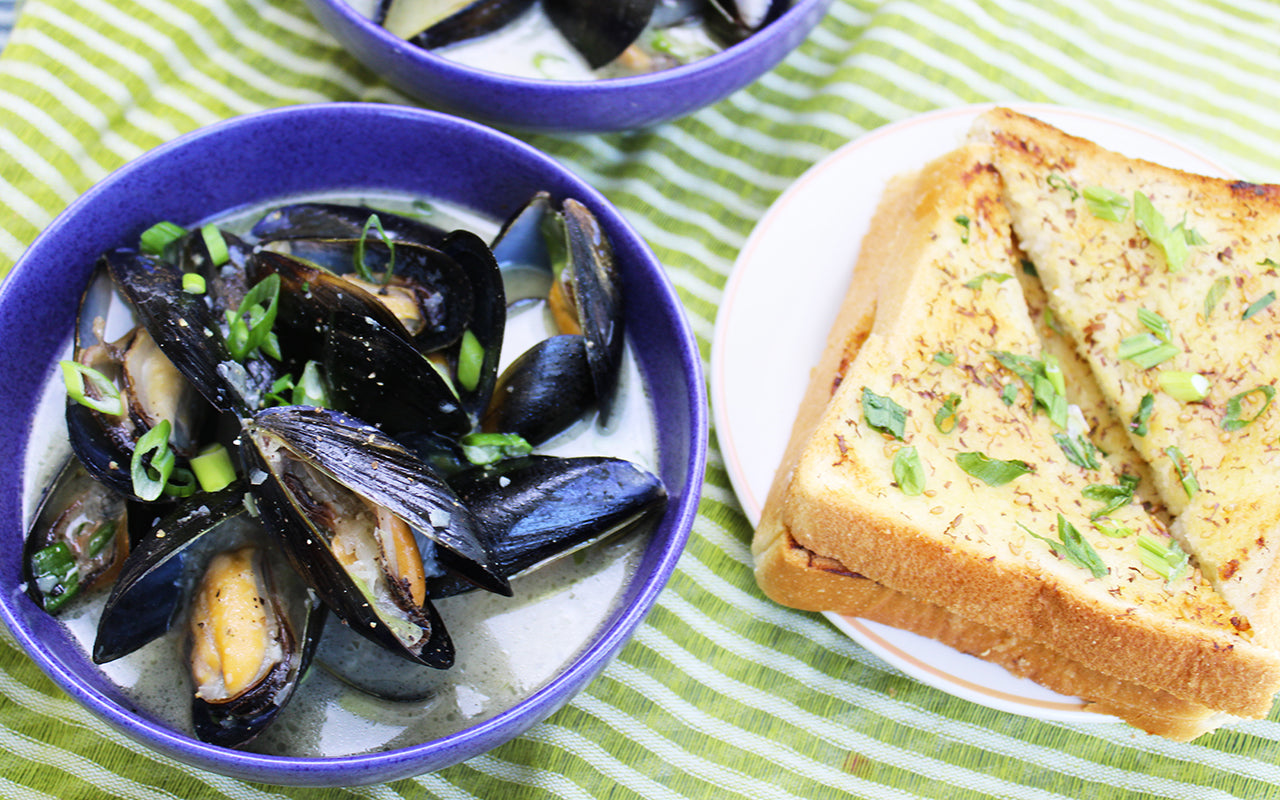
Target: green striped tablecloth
{"x":721,"y":693}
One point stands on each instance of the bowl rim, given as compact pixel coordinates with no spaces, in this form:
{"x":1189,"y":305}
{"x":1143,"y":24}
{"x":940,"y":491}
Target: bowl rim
{"x":615,"y":631}
{"x":728,"y":56}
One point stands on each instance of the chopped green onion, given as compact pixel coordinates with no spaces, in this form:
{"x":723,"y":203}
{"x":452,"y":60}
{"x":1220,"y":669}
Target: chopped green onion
{"x":963,"y":222}
{"x":250,"y":326}
{"x":215,"y":244}
{"x":1009,"y":394}
{"x":1106,"y":204}
{"x":1185,"y":387}
{"x":193,"y":283}
{"x":976,"y":283}
{"x":1045,"y":379}
{"x":908,"y":471}
{"x":992,"y":471}
{"x":944,"y":358}
{"x":1234,"y":419}
{"x":1112,"y":496}
{"x":1182,"y":466}
{"x":311,"y":389}
{"x":1192,"y":235}
{"x":487,"y":448}
{"x":946,"y":417}
{"x":98,"y":541}
{"x":276,"y":393}
{"x":1029,"y":268}
{"x":182,"y":483}
{"x":56,"y":575}
{"x":213,"y":467}
{"x":1173,"y":241}
{"x":159,"y":236}
{"x":362,"y":268}
{"x":1156,"y":324}
{"x":1146,"y":350}
{"x":1139,"y":422}
{"x":108,"y":401}
{"x":1215,"y":294}
{"x":1167,"y":559}
{"x":1109,"y":527}
{"x":153,"y":462}
{"x":1053,"y":371}
{"x":1078,"y":450}
{"x":470,"y":360}
{"x":1056,"y":181}
{"x":883,"y":414}
{"x":1258,"y":305}
{"x":1073,"y":547}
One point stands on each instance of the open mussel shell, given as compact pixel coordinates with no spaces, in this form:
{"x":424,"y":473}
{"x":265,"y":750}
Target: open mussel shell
{"x":182,"y":325}
{"x":254,"y":627}
{"x":536,"y":509}
{"x":487,"y":324}
{"x":148,"y":592}
{"x":77,"y":541}
{"x":599,"y":29}
{"x":225,"y":284}
{"x":439,"y":24}
{"x":597,"y":296}
{"x":544,"y":391}
{"x":340,"y":221}
{"x":429,"y":293}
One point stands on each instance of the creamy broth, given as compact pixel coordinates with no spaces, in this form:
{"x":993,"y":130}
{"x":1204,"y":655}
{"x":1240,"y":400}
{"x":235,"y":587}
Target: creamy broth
{"x":507,"y":648}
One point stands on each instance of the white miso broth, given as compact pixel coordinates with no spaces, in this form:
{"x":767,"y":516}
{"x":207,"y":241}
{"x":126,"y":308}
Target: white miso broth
{"x":506,"y":648}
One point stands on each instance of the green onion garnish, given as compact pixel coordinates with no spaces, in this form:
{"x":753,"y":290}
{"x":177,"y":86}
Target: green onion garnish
{"x":1234,"y":420}
{"x":1109,"y":527}
{"x":98,"y":541}
{"x":1139,"y":422}
{"x":1156,"y":324}
{"x":946,"y":417}
{"x":1182,"y":466}
{"x":250,"y":325}
{"x":159,"y":236}
{"x":1009,"y":394}
{"x":153,"y":462}
{"x":1073,"y":547}
{"x":487,"y":448}
{"x":215,"y":244}
{"x":108,"y":400}
{"x":1056,"y":181}
{"x":1078,"y":450}
{"x":883,"y":414}
{"x":311,"y":389}
{"x":963,"y":222}
{"x":1173,"y":241}
{"x":193,"y":283}
{"x":56,"y":575}
{"x":213,"y":468}
{"x":1215,"y":294}
{"x":1185,"y":387}
{"x":944,"y":358}
{"x":976,"y":283}
{"x":1112,"y":496}
{"x":362,"y":268}
{"x":908,"y":471}
{"x":992,"y":471}
{"x":1145,"y":350}
{"x":1167,"y":559}
{"x":1258,"y":305}
{"x":470,"y":360}
{"x":182,"y":483}
{"x":1106,"y":204}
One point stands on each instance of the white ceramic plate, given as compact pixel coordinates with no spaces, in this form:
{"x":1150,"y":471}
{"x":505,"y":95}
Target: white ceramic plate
{"x":778,"y":307}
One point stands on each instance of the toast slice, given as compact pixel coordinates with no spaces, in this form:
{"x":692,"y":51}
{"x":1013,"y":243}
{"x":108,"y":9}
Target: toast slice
{"x":975,"y":553}
{"x":1117,"y":241}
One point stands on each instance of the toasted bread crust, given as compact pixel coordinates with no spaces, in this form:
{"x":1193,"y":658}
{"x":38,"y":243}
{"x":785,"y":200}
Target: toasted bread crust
{"x":859,"y":538}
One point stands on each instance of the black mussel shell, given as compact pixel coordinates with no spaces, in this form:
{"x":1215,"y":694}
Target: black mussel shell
{"x":340,"y":221}
{"x":598,"y":297}
{"x":298,"y":621}
{"x":488,"y":318}
{"x":434,"y":292}
{"x":147,"y":594}
{"x":225,"y":284}
{"x":731,"y":21}
{"x":182,"y":325}
{"x":544,"y":391}
{"x":536,"y":509}
{"x":443,"y":454}
{"x":522,"y":240}
{"x":77,"y":541}
{"x":599,"y":29}
{"x":474,"y":19}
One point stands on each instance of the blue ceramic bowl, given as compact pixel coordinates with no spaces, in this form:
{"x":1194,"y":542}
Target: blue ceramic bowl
{"x":307,"y":149}
{"x":574,"y":107}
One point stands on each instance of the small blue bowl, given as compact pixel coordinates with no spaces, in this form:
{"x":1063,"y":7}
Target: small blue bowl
{"x":263,"y":157}
{"x":566,"y":106}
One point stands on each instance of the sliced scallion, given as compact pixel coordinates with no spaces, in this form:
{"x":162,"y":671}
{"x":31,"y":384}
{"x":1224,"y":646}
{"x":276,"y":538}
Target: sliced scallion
{"x":944,"y":358}
{"x":152,"y":463}
{"x":159,"y":236}
{"x":488,"y":448}
{"x":963,"y":222}
{"x":976,"y":283}
{"x":1073,"y":547}
{"x":1185,"y":387}
{"x":311,"y":389}
{"x":1146,"y":350}
{"x":213,"y":467}
{"x":1172,"y":241}
{"x":1166,"y":559}
{"x":1109,"y":527}
{"x":1186,"y":474}
{"x":883,"y":414}
{"x":193,"y":283}
{"x":946,"y":417}
{"x":56,"y":575}
{"x":470,"y":360}
{"x":908,"y":471}
{"x":1156,"y":324}
{"x":1078,"y":450}
{"x":1216,"y":292}
{"x":1235,"y":419}
{"x":250,"y":325}
{"x":215,"y":244}
{"x":107,"y":400}
{"x":1258,"y":305}
{"x":1112,"y":496}
{"x":992,"y":471}
{"x":361,"y":266}
{"x":1056,"y":181}
{"x":1139,"y":422}
{"x":182,"y":483}
{"x":1106,"y":204}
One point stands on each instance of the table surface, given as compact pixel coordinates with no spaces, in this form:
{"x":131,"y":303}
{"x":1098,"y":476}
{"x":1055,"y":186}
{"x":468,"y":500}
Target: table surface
{"x":721,"y":693}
